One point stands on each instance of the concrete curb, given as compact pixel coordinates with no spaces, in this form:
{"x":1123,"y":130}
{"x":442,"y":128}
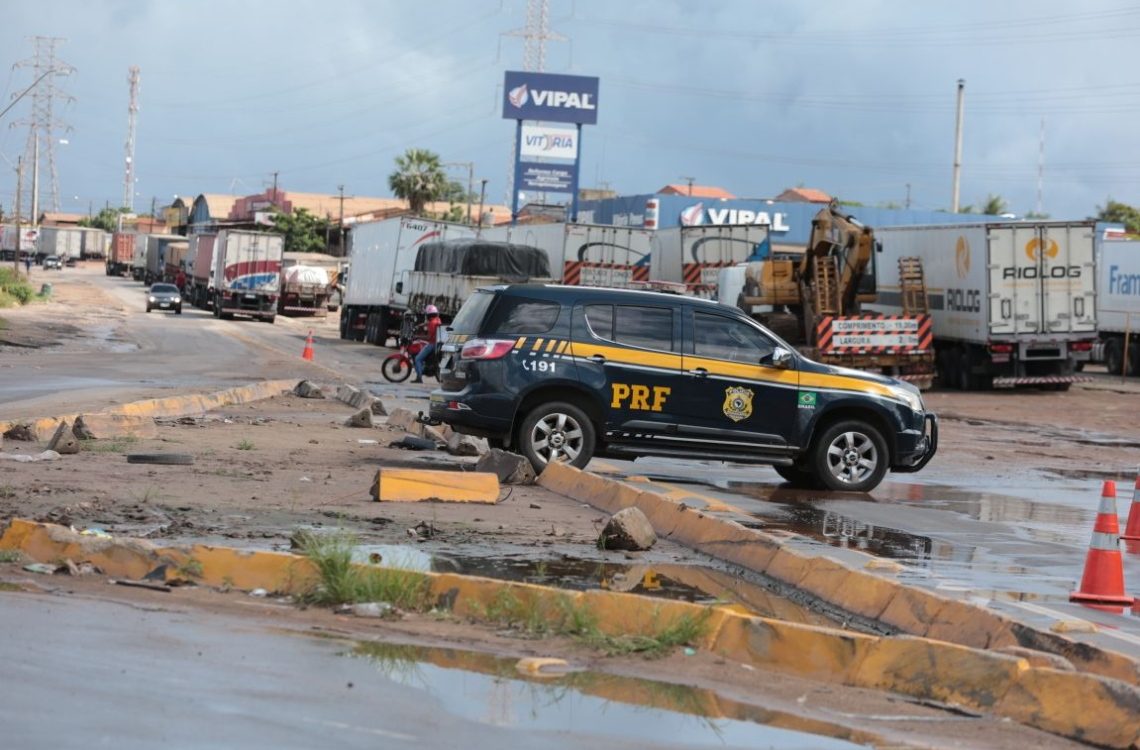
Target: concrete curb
{"x":1086,"y":707}
{"x":394,"y":485}
{"x":172,"y":406}
{"x":869,"y":593}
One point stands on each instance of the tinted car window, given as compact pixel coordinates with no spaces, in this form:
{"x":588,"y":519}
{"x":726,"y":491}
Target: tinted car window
{"x":469,"y":317}
{"x":164,"y":289}
{"x":718,"y":337}
{"x":518,"y":315}
{"x":601,"y":320}
{"x":647,"y":327}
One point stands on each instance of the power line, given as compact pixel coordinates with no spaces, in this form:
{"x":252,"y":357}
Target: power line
{"x":42,"y":123}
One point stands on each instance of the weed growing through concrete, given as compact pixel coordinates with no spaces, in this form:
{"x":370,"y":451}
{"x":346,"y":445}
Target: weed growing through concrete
{"x":245,"y":445}
{"x":192,"y":568}
{"x":342,"y":581}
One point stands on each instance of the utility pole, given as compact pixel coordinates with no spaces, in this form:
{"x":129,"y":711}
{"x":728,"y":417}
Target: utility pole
{"x":35,"y":182}
{"x":42,"y":123}
{"x":482,"y":195}
{"x":470,"y":182}
{"x":690,"y":181}
{"x":908,"y":196}
{"x":132,"y":113}
{"x":19,"y":233}
{"x":273,"y":200}
{"x":958,"y":148}
{"x":1040,"y":210}
{"x":340,"y":223}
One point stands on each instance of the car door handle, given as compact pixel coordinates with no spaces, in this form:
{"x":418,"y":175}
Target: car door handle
{"x":699,"y":372}
{"x":599,"y":359}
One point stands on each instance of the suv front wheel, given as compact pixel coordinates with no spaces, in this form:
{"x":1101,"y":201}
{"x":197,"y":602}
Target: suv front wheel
{"x":556,"y":431}
{"x":850,"y":456}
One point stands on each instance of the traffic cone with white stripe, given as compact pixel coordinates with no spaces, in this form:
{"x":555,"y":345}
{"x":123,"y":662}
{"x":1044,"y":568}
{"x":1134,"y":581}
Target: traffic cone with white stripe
{"x":1103,"y":580}
{"x":307,"y":352}
{"x":1132,"y":527}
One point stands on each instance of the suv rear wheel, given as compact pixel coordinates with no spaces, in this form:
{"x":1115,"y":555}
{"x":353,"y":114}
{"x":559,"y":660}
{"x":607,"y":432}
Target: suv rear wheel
{"x":556,"y":431}
{"x":850,"y":456}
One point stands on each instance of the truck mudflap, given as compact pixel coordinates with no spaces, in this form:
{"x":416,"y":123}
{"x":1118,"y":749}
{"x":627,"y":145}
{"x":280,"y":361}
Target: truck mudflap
{"x":1014,"y":381}
{"x":929,"y":445}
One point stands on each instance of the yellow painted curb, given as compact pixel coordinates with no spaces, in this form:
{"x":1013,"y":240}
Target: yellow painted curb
{"x":874,"y":594}
{"x":1081,"y":706}
{"x":393,"y":485}
{"x":173,"y":406}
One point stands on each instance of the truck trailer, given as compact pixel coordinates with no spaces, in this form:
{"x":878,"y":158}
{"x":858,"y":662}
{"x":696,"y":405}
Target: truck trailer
{"x":63,"y":242}
{"x":158,"y":247}
{"x":695,"y":255}
{"x":447,"y":272}
{"x":94,"y":242}
{"x":246,"y":277}
{"x":304,"y":291}
{"x":1012,"y":303}
{"x":1118,"y":307}
{"x":201,"y":270}
{"x":381,"y":254}
{"x":586,"y":254}
{"x":121,"y":254}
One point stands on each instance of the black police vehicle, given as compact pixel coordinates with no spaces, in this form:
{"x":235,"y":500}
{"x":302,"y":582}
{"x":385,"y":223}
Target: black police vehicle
{"x":565,"y":373}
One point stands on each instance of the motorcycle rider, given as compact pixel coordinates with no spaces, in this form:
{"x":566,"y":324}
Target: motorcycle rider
{"x":431,"y":331}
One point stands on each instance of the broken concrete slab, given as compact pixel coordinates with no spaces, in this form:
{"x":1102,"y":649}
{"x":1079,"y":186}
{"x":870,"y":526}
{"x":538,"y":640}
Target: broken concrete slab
{"x":425,"y":485}
{"x":510,"y":468}
{"x":64,"y":441}
{"x":308,"y":389}
{"x":378,"y":408}
{"x":434,"y":433}
{"x":358,"y":398}
{"x":628,"y":529}
{"x":109,"y":426}
{"x":466,"y":445}
{"x":403,"y":419}
{"x":362,"y":418}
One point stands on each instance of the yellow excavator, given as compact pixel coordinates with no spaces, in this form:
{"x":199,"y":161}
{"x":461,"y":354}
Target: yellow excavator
{"x":813,"y":299}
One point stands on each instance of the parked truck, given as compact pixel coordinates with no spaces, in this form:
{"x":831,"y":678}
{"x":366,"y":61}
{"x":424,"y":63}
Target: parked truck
{"x":138,"y":257}
{"x":158,"y":249}
{"x":819,"y":300}
{"x":381,"y":254}
{"x":94,"y":242}
{"x":13,"y":241}
{"x":695,"y":255}
{"x":1118,"y":307}
{"x":447,"y":272}
{"x":586,"y":254}
{"x":246,"y":277}
{"x":1012,"y":303}
{"x":310,"y":289}
{"x":62,"y":242}
{"x":202,"y":270}
{"x":121,"y":254}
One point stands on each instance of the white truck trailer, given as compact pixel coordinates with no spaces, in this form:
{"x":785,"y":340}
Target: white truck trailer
{"x":246,"y":277}
{"x":695,"y":255}
{"x":586,"y":254}
{"x":1118,"y":307}
{"x":381,"y":254}
{"x":1013,"y":304}
{"x":63,"y":242}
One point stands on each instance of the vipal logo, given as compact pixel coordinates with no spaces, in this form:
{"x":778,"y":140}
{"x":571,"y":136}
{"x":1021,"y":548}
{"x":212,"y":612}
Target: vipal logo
{"x":517,"y":96}
{"x":1033,"y":249}
{"x":693,"y":215}
{"x":962,"y":257}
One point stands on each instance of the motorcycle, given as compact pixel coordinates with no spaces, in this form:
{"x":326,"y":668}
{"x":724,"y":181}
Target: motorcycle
{"x":399,"y":365}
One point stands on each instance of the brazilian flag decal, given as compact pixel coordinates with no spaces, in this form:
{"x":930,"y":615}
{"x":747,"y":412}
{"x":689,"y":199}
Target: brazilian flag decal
{"x":806,"y":399}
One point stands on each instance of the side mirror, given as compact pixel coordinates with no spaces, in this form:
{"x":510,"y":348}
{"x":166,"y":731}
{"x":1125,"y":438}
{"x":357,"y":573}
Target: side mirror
{"x":780,"y":357}
{"x":399,"y":287}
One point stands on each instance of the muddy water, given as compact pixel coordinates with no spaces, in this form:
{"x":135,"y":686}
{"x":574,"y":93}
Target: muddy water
{"x":486,"y":689}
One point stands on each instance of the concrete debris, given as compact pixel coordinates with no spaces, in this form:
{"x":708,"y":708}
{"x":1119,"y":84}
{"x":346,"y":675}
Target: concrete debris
{"x":466,"y":445}
{"x":403,"y":419}
{"x":23,"y":458}
{"x":378,"y":409}
{"x":106,"y":426}
{"x":413,"y":443}
{"x":362,"y":418}
{"x":628,"y":529}
{"x":41,"y":568}
{"x":436,"y":434}
{"x":23,"y":432}
{"x":511,"y":468}
{"x":308,"y":389}
{"x":63,"y":441}
{"x":359,"y":399}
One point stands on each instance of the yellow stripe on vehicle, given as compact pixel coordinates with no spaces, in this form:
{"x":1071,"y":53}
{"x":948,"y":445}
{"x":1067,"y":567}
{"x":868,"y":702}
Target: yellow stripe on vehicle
{"x":537,"y":345}
{"x":617,"y":355}
{"x":551,"y":345}
{"x":519,"y":344}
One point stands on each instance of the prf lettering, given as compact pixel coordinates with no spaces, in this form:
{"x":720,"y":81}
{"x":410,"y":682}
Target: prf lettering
{"x":638,"y":397}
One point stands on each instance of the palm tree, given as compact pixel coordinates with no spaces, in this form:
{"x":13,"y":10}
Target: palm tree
{"x":418,"y":179}
{"x":995,"y":205}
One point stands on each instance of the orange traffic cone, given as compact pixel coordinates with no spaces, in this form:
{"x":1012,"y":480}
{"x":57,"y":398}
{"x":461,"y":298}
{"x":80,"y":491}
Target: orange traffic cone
{"x":1132,"y":528}
{"x":308,"y":352}
{"x":1103,"y":580}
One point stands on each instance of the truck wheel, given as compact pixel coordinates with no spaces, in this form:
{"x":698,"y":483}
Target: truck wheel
{"x":556,"y":431}
{"x":343,"y":327}
{"x":850,"y":456}
{"x":798,"y":478}
{"x":270,"y":319}
{"x":396,"y":368}
{"x":1133,"y":359}
{"x":965,"y":377}
{"x":1113,"y":357}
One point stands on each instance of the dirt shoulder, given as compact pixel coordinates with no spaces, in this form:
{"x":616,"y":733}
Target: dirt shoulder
{"x":78,"y":316}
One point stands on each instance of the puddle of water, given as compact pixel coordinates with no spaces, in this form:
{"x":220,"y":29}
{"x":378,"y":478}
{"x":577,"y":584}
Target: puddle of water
{"x":690,"y":583}
{"x":489,"y":690}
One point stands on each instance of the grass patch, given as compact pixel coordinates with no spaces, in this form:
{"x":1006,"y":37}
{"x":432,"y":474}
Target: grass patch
{"x":245,"y":445}
{"x":112,"y":445}
{"x":342,"y":581}
{"x":14,"y":290}
{"x":7,"y":492}
{"x":10,"y":555}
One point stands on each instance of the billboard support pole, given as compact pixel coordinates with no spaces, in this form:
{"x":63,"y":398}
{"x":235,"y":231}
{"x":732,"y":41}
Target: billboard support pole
{"x":574,"y":178}
{"x":518,"y":174}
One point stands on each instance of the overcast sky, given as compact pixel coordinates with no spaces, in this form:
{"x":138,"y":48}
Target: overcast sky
{"x":855,"y":97}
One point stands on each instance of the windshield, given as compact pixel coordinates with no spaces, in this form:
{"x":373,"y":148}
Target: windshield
{"x":164,"y":289}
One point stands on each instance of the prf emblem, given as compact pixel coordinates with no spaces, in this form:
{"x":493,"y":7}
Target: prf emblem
{"x":639,"y":397}
{"x":737,"y":403}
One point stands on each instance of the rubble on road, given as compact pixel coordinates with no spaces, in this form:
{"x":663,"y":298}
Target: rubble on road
{"x":413,"y":443}
{"x":25,"y":458}
{"x":511,"y":468}
{"x":360,"y":399}
{"x":64,"y":441}
{"x":466,"y":445}
{"x":404,"y":419}
{"x":628,"y":529}
{"x":307,"y":389}
{"x":362,"y":418}
{"x":23,"y":432}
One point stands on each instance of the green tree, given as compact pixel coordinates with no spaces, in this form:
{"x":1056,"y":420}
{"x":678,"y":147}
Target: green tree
{"x":107,"y":219}
{"x":995,"y":205}
{"x":303,"y":231}
{"x":1120,"y":213}
{"x":1037,"y":216}
{"x":418,"y":179}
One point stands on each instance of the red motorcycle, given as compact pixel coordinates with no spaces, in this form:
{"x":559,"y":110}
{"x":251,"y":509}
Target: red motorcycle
{"x":397,"y":366}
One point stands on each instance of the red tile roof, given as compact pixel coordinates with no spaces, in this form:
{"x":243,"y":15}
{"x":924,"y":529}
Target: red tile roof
{"x":697,"y":191}
{"x":804,"y":195}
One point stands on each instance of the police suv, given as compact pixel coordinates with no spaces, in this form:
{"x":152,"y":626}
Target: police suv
{"x":565,"y":373}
